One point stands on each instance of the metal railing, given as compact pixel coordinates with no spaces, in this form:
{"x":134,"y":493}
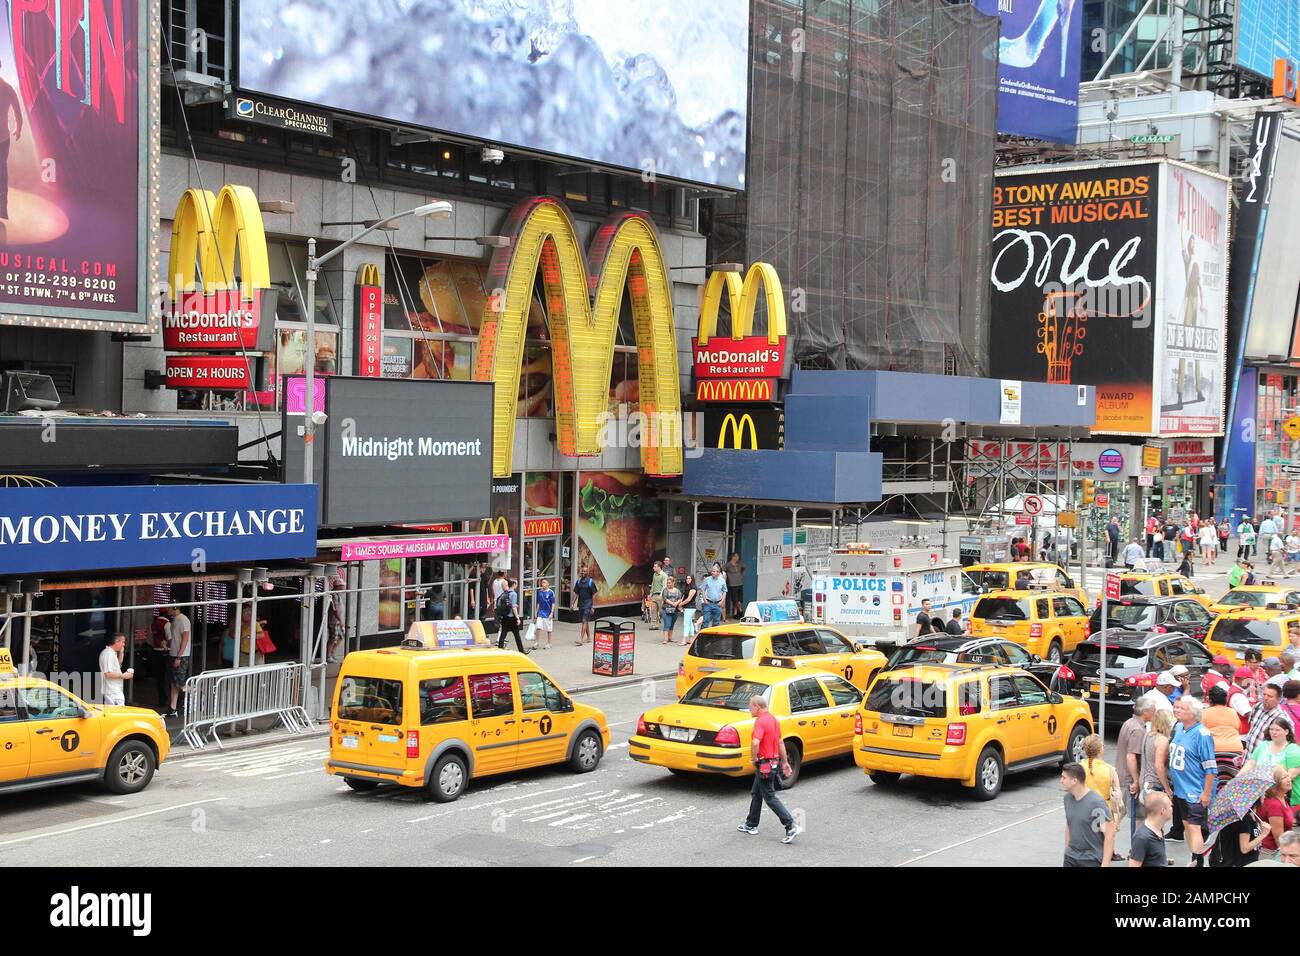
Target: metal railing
{"x":216,"y":698}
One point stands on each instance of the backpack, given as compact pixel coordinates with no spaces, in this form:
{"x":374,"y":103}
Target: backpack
{"x":504,"y":609}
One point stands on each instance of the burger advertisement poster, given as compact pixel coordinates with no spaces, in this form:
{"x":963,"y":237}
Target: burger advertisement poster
{"x":620,"y":530}
{"x":75,"y":222}
{"x":1114,"y":276}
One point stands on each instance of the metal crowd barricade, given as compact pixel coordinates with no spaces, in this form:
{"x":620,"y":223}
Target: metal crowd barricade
{"x":219,"y":697}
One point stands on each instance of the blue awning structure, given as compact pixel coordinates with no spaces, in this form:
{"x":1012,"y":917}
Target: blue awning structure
{"x":828,"y":425}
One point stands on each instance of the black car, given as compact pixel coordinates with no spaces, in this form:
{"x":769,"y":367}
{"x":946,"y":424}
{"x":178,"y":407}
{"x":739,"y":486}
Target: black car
{"x":980,"y":650}
{"x":1133,"y":661}
{"x":1181,"y":615}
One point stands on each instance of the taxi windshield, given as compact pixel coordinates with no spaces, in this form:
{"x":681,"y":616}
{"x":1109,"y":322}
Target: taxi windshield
{"x":1258,"y":633}
{"x":1128,"y":615}
{"x":989,"y":580}
{"x":728,"y":693}
{"x":1246,"y":598}
{"x":1139,"y":586}
{"x":1002,"y":609}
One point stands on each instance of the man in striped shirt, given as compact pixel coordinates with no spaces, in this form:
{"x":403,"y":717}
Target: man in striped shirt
{"x":1262,"y":717}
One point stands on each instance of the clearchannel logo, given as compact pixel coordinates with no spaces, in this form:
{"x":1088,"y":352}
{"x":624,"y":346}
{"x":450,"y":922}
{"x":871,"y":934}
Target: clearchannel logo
{"x":244,"y":107}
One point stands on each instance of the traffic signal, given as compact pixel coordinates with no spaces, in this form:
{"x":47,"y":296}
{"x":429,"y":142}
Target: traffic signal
{"x":1089,"y":492}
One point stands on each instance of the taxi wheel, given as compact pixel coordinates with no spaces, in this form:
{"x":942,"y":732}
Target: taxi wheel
{"x":1074,"y":749}
{"x":794,"y":753}
{"x":361,"y":786}
{"x":130,"y":767}
{"x":1054,"y":653}
{"x":989,"y":773}
{"x":447,"y":782}
{"x":586,"y":753}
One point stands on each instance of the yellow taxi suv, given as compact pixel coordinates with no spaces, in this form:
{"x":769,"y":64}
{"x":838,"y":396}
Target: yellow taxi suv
{"x":1021,"y":575}
{"x":438,"y":712}
{"x":973,"y":723}
{"x":1242,"y":629}
{"x":1257,"y":595}
{"x":728,"y":646}
{"x":1149,"y":584}
{"x":710,"y":729}
{"x":1048,"y":623}
{"x":50,"y":737}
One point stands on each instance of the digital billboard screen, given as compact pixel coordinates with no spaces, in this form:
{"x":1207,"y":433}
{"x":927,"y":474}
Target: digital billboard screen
{"x":1267,"y":30}
{"x":658,"y":88}
{"x":1038,"y":67}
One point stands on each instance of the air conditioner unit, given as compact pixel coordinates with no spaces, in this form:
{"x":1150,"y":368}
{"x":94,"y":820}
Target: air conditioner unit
{"x":24,"y":390}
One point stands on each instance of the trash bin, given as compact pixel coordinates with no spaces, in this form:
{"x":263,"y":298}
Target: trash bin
{"x":613,"y":647}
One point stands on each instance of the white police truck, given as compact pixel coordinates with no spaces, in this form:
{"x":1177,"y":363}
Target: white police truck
{"x":875,"y":594}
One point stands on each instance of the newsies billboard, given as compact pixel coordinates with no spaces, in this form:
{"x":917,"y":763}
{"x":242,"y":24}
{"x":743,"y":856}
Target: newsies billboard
{"x":398,"y":450}
{"x":50,"y":530}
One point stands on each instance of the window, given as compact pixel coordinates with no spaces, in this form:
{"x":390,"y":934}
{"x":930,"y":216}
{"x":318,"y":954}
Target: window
{"x":1176,"y":587}
{"x":1031,"y":692}
{"x":1015,"y":654}
{"x":1185,"y":612}
{"x":1042,"y":609}
{"x":834,"y":644}
{"x":796,"y":644}
{"x":8,"y":705}
{"x":491,"y":695}
{"x":1002,"y":693}
{"x":538,"y":693}
{"x":1197,"y":656}
{"x":1061,"y":607}
{"x":908,"y":697}
{"x":723,"y":647}
{"x":725,"y":692}
{"x":371,"y":700}
{"x":806,"y":695}
{"x":1175,"y":653}
{"x":1063,"y":579}
{"x":1002,"y":609}
{"x":842,"y":693}
{"x":442,"y":700}
{"x":969,"y":695}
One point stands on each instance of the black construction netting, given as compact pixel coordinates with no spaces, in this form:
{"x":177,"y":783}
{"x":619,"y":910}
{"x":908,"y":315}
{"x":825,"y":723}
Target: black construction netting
{"x":872,"y":134}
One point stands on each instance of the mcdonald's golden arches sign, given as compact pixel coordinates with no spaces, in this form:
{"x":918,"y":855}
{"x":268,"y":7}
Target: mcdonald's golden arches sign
{"x":742,"y":367}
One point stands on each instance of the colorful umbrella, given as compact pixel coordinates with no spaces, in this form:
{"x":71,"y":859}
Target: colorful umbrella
{"x":1236,"y":797}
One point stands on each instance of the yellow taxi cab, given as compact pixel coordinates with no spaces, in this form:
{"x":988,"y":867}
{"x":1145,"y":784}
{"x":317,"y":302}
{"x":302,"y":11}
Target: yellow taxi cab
{"x":969,"y":722}
{"x":1242,"y":629}
{"x":447,"y":706}
{"x":1020,"y":575}
{"x":725,"y":647}
{"x":50,"y":737}
{"x":1161,"y":584}
{"x":1046,"y":622}
{"x":709,"y":730}
{"x":1257,"y":595}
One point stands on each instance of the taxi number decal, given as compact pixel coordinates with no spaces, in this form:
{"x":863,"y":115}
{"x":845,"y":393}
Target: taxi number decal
{"x":545,"y":724}
{"x":9,"y":745}
{"x":848,"y":672}
{"x":1051,"y":725}
{"x":69,"y":741}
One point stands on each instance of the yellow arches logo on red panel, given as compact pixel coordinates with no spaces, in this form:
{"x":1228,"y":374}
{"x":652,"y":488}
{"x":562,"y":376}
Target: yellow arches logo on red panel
{"x":583,"y":299}
{"x":734,"y":390}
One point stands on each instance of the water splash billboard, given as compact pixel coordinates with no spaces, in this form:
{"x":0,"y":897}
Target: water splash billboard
{"x":641,"y":85}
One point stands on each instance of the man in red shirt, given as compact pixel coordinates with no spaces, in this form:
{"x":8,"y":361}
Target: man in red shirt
{"x":1220,"y":672}
{"x":767,"y":750}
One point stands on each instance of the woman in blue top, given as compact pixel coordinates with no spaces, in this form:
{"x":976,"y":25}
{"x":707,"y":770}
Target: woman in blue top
{"x":545,"y":614}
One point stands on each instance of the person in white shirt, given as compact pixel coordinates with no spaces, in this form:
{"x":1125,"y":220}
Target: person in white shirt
{"x":1133,"y":554}
{"x":178,"y":651}
{"x":110,"y":671}
{"x":1275,"y":553}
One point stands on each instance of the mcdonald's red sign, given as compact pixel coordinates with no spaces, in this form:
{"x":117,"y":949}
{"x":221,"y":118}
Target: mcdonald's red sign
{"x":742,"y":367}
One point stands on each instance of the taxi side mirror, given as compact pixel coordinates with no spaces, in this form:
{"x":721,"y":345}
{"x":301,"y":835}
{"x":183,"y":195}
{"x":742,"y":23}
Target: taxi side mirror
{"x":566,"y":705}
{"x":1035,"y":659}
{"x":1055,"y":698}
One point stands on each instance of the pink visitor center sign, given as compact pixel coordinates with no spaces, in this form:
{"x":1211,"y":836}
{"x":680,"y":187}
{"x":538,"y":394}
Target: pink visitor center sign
{"x":444,"y":546}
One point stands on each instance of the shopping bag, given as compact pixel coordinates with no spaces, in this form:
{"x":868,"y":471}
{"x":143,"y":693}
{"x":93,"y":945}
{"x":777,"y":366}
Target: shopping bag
{"x":530,"y":636}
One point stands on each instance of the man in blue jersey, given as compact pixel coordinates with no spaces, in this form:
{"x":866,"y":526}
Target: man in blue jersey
{"x":1192,"y":772}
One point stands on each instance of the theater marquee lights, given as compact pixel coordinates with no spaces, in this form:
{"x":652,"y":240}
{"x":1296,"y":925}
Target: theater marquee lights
{"x":743,"y":367}
{"x":582,"y":303}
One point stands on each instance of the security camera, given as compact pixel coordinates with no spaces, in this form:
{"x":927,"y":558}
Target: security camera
{"x":319,"y":418}
{"x":493,"y":155}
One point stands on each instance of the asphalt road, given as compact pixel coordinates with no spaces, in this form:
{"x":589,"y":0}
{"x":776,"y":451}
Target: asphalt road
{"x":274,"y":805}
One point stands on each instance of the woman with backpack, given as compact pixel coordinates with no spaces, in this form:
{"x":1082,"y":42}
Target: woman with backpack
{"x":507,"y":611}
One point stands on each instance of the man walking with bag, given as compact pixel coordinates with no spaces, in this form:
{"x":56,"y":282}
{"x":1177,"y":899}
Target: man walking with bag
{"x":767,"y":750}
{"x":507,"y":610}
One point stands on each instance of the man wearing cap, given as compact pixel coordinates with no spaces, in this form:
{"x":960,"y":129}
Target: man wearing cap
{"x":1182,"y":675}
{"x":1167,"y":684}
{"x":1220,"y":672}
{"x":1238,"y":573}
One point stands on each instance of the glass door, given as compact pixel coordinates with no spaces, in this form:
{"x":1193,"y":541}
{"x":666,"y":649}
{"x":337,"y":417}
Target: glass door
{"x":540,"y":561}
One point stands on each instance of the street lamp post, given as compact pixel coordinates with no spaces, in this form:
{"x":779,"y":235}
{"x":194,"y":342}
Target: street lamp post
{"x":439,"y":209}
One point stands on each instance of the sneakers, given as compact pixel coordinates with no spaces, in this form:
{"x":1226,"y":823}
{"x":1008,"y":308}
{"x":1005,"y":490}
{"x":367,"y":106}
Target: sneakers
{"x":170,"y":713}
{"x":791,"y":833}
{"x":746,"y":828}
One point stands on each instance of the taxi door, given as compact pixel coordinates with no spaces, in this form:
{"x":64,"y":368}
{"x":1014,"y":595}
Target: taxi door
{"x":812,"y":717}
{"x":1004,"y":707}
{"x":61,"y":741}
{"x":1042,"y":731}
{"x":15,"y":748}
{"x":545,"y":720}
{"x":494,"y":722}
{"x":1073,"y":620}
{"x":845,"y":701}
{"x":839,"y":656}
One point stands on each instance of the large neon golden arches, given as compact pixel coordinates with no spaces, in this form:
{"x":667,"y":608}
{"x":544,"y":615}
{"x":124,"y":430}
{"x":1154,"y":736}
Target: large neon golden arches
{"x":208,"y":232}
{"x":743,"y":299}
{"x":582,"y":303}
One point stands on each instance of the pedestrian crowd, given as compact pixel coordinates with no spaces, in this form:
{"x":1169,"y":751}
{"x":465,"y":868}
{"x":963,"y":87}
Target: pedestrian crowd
{"x":1221,"y":776}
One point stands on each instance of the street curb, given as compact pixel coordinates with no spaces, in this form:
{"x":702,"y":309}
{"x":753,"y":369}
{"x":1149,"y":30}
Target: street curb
{"x":267,"y":738}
